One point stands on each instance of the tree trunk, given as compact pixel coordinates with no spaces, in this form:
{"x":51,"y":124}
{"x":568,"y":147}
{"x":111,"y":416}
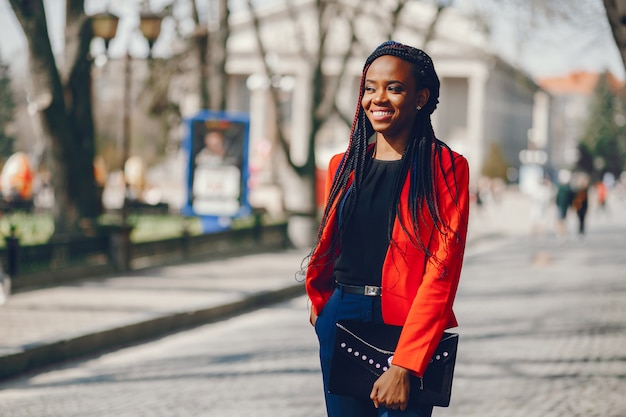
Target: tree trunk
{"x":218,"y":81}
{"x":202,"y":48}
{"x":211,"y":49}
{"x":65,"y":111}
{"x":614,"y":15}
{"x":78,"y":86}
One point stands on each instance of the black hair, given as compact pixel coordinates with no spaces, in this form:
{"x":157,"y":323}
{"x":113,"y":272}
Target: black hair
{"x":418,"y":159}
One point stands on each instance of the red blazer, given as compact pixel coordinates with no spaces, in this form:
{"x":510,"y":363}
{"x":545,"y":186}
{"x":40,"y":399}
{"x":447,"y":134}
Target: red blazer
{"x":417,"y":291}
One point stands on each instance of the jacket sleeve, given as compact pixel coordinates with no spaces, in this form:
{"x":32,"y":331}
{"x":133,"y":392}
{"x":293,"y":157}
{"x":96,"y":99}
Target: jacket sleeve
{"x":319,"y":276}
{"x":431,"y":309}
{"x":333,"y":166}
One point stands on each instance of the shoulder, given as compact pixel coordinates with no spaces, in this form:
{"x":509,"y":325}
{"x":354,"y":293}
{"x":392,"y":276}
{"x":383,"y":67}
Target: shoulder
{"x":448,"y":158}
{"x":335,"y":160}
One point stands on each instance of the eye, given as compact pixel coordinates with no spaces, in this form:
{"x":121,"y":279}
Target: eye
{"x":369,"y":89}
{"x":395,"y":88}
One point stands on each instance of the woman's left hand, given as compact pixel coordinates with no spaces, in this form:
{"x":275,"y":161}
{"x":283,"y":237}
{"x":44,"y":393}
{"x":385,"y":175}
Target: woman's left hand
{"x":392,"y":389}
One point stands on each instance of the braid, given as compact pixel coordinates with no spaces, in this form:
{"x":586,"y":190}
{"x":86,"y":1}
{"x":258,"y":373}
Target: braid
{"x":418,"y":159}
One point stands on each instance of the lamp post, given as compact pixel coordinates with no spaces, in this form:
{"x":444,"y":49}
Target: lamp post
{"x":104,"y":26}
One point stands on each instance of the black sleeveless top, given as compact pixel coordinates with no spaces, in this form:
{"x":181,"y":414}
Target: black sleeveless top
{"x":365,"y":238}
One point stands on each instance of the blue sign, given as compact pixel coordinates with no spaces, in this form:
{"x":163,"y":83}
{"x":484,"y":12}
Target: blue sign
{"x":217,"y":168}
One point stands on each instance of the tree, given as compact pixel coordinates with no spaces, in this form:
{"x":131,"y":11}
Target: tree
{"x":7,"y":107}
{"x":603,"y":137}
{"x":495,"y":165}
{"x":63,"y":97}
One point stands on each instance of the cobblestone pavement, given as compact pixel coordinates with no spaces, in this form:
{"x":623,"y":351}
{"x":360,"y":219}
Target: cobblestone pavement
{"x":543,"y":333}
{"x":237,"y":367}
{"x":543,"y":328}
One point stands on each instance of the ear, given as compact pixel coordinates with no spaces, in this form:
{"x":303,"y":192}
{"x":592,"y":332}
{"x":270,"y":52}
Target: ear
{"x":422,"y":97}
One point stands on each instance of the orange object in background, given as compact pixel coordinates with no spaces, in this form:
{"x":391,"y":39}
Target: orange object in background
{"x":17,"y":178}
{"x":100,"y":171}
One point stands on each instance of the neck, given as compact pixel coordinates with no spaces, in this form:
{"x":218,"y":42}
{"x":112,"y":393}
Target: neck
{"x":386,"y":150}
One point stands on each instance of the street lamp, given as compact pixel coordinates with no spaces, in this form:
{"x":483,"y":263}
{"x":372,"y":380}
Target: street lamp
{"x":150,"y":26}
{"x":104,"y":25}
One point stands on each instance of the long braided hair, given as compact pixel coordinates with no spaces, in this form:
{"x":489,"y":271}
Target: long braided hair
{"x":418,"y":159}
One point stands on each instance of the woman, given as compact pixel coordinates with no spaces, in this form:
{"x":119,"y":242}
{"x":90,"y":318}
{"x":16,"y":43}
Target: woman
{"x":395,"y":221}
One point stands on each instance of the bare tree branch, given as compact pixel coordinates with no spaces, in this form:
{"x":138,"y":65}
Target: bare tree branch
{"x":430,"y":31}
{"x":282,"y":140}
{"x":300,"y":38}
{"x":395,"y":16}
{"x":329,"y":103}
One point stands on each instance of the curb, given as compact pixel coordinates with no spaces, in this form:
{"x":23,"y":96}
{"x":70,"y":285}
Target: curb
{"x":37,"y":356}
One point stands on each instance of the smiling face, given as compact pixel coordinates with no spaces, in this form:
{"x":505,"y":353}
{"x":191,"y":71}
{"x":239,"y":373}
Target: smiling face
{"x":390,"y":98}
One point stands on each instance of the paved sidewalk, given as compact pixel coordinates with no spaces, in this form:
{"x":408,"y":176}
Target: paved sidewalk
{"x":49,"y":325}
{"x":42,"y":327}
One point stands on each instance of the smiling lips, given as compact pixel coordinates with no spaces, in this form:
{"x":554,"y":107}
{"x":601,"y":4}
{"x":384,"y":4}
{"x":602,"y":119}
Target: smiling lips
{"x":381,"y":114}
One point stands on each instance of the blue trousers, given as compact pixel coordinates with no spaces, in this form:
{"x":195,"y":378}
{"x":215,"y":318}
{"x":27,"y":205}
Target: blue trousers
{"x":345,"y":306}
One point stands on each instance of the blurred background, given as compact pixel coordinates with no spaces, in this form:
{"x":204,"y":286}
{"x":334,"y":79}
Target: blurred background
{"x":95,"y":95}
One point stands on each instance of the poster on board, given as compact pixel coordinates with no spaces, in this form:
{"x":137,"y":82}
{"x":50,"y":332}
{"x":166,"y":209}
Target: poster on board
{"x":218,"y":166}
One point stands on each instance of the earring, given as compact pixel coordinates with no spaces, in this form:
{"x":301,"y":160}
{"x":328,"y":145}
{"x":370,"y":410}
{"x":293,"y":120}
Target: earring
{"x":418,"y":108}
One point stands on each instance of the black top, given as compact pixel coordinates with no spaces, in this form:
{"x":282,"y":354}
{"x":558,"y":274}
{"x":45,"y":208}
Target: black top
{"x":365,"y":239}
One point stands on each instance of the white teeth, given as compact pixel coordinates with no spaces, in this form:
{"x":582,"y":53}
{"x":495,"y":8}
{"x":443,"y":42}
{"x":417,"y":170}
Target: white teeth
{"x":381,"y":113}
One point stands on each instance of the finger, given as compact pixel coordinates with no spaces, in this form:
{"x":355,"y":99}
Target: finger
{"x":374,"y":397}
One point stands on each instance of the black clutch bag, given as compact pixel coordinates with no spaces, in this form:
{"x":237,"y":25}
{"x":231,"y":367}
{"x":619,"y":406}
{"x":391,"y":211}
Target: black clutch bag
{"x":363,"y":351}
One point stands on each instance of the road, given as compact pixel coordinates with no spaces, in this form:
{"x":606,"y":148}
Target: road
{"x":543,"y":334}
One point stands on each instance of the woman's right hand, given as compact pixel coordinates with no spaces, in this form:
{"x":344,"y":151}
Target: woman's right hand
{"x":313,"y":317}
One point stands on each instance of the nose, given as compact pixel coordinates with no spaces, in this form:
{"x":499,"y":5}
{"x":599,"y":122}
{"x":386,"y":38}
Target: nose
{"x":379,"y":97}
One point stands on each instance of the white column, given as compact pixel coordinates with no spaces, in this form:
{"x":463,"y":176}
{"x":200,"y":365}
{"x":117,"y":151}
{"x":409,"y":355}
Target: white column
{"x":300,"y":115}
{"x":477,"y":84}
{"x":257,"y":85}
{"x":541,"y":110}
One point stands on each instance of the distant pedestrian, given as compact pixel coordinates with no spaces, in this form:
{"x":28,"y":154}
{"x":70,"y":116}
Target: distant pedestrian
{"x":580,"y":201}
{"x":564,"y":197}
{"x":601,"y":194}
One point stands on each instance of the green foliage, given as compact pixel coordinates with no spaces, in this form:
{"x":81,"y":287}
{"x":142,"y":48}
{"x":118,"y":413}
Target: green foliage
{"x":29,"y":228}
{"x":37,"y":228}
{"x":605,"y":133}
{"x":495,"y":165}
{"x":7,"y":109}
